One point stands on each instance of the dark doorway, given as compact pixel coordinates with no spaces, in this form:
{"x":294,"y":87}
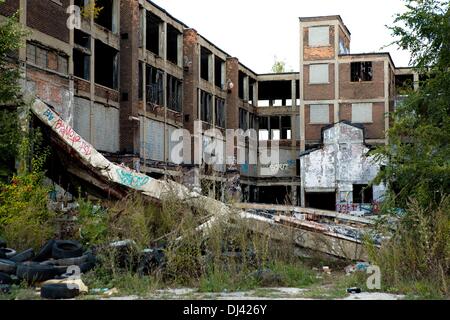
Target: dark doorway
{"x":321,"y":200}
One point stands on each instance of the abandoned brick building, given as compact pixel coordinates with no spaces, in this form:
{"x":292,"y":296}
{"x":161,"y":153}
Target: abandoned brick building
{"x":127,"y":78}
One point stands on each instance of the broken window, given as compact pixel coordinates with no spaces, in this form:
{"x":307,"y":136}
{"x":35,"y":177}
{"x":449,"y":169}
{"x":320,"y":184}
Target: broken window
{"x":319,"y":114}
{"x":219,"y":66}
{"x":362,"y":193}
{"x":141,"y":81}
{"x":404,"y":83}
{"x":263,"y":126}
{"x":220,"y":113}
{"x":152,"y":36}
{"x":205,"y":106}
{"x":172,"y":44}
{"x":241,"y":85}
{"x":81,"y":64}
{"x":82,"y":55}
{"x":47,"y":59}
{"x":155,"y":78}
{"x":243,"y":124}
{"x":174,"y":93}
{"x":286,"y":128}
{"x":361,"y":71}
{"x":106,"y":16}
{"x":319,"y":36}
{"x":205,"y":63}
{"x":318,"y":74}
{"x":362,"y":112}
{"x":82,"y":39}
{"x":106,"y":65}
{"x":252,"y":121}
{"x":275,"y":128}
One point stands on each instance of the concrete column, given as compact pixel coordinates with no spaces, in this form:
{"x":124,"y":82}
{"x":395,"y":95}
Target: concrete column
{"x":294,"y":105}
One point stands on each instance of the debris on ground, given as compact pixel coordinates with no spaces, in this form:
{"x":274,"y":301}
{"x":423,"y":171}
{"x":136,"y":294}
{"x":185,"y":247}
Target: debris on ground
{"x":56,"y":268}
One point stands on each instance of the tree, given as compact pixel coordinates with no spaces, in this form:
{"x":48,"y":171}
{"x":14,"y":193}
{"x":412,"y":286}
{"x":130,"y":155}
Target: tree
{"x":417,"y":253}
{"x":11,"y":34}
{"x":278,"y":66}
{"x":418,"y":154}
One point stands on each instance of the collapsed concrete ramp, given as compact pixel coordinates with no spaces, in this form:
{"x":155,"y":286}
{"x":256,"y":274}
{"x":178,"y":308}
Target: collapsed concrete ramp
{"x":284,"y":228}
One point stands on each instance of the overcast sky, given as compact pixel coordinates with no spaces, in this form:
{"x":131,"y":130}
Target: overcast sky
{"x":257,"y":30}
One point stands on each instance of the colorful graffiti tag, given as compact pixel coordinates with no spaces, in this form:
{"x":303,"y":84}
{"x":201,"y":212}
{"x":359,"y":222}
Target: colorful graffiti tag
{"x":68,"y":134}
{"x":132,"y":180}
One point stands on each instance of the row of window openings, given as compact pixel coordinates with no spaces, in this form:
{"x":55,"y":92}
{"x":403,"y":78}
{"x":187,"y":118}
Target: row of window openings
{"x":107,"y":16}
{"x":154,"y":30}
{"x":47,"y":59}
{"x":155,"y":88}
{"x":206,"y":115}
{"x":359,"y":72}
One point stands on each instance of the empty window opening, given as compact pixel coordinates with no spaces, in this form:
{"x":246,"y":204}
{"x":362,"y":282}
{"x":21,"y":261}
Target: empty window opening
{"x":155,"y":78}
{"x":361,"y":71}
{"x":263,"y":126}
{"x":172,"y":44}
{"x":251,"y":87}
{"x":252,"y":121}
{"x":286,"y":128}
{"x":106,"y":65}
{"x":318,"y":74}
{"x":404,"y":83}
{"x":241,"y":84}
{"x":82,"y":39}
{"x":141,"y":81}
{"x":153,"y":32}
{"x":219,"y":72}
{"x":205,"y":63}
{"x":321,"y":200}
{"x":274,"y":195}
{"x":220,"y":113}
{"x":81,"y":64}
{"x":105,"y":17}
{"x":243,"y":124}
{"x":206,"y":107}
{"x":275,"y":128}
{"x":273,"y":93}
{"x":174,"y":93}
{"x":362,"y":193}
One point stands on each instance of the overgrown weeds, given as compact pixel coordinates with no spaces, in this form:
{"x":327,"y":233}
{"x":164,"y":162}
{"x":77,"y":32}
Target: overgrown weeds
{"x":416,"y":259}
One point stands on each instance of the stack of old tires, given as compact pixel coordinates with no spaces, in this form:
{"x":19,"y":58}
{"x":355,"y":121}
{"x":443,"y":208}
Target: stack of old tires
{"x":57,"y":259}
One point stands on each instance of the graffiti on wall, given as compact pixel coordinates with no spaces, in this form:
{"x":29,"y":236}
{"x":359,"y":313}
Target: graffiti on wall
{"x":364,"y":208}
{"x":131,"y":179}
{"x":68,"y":134}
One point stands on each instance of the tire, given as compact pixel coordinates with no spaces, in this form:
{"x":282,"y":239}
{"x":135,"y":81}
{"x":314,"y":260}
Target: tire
{"x":58,"y":291}
{"x":66,"y":249}
{"x":8,"y":266}
{"x":75,"y":261}
{"x":23,"y":256}
{"x":5,"y":278}
{"x":8,"y":252}
{"x":2,"y":243}
{"x":46,"y":252}
{"x":88,"y":266}
{"x":35,"y":272}
{"x":5,"y":288}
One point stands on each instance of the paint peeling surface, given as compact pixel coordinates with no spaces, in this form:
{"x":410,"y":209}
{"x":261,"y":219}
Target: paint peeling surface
{"x":340,"y":164}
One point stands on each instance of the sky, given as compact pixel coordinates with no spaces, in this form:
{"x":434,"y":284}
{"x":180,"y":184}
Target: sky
{"x":257,"y":31}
